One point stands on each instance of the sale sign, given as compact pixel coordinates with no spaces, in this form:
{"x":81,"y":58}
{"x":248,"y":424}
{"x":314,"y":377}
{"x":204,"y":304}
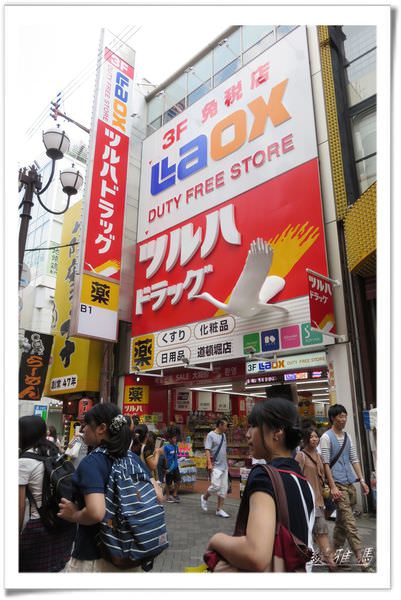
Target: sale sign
{"x":239,"y":164}
{"x":321,"y":303}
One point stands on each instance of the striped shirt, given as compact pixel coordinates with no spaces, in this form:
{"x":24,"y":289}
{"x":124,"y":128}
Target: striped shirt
{"x":325,"y":447}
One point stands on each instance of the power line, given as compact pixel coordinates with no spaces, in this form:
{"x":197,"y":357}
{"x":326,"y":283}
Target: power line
{"x":85,"y":71}
{"x":51,"y":247}
{"x":77,"y":81}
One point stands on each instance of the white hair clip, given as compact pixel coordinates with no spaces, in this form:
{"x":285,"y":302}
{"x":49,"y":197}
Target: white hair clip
{"x":117,"y":423}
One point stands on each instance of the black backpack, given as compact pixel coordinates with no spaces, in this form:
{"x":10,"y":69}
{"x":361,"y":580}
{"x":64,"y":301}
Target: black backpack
{"x":57,"y":484}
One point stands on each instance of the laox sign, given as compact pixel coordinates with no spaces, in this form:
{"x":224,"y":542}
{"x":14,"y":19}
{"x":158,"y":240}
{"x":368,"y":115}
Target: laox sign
{"x":195,"y":153}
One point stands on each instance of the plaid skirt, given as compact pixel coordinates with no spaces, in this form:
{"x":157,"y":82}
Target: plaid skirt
{"x":44,"y":551}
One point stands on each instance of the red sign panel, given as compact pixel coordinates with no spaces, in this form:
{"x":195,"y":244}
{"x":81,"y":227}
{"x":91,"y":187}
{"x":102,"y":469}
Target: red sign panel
{"x":321,"y":303}
{"x":106,"y":211}
{"x":135,"y":409}
{"x":207,"y":253}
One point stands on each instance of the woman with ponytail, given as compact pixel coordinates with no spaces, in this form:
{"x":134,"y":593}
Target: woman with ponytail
{"x":40,"y":550}
{"x":104,"y":425}
{"x":272,"y":435}
{"x":312,"y":467}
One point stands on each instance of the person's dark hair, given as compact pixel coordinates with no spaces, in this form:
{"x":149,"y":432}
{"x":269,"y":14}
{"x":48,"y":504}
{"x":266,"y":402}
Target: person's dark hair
{"x":306,"y":435}
{"x":141,"y":432}
{"x":52,"y":431}
{"x":32,"y":434}
{"x":306,"y":423}
{"x":336,"y":410}
{"x":220,"y":422}
{"x":138,"y":438}
{"x":150,"y":440}
{"x":277,"y":413}
{"x":128,"y":419}
{"x":118,"y":429}
{"x":172,"y":431}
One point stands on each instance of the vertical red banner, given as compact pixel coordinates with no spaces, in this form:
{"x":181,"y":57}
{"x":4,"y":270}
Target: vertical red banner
{"x":106,"y":210}
{"x":321,"y":303}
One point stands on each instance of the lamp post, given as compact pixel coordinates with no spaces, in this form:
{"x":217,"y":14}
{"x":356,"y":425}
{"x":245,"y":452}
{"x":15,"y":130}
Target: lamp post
{"x":57,"y":144}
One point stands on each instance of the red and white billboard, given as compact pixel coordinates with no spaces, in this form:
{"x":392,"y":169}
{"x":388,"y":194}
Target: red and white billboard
{"x":239,"y":164}
{"x":95,"y":308}
{"x":105,"y":221}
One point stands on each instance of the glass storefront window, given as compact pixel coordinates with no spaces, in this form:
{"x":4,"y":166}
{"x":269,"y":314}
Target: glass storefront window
{"x":200,"y":73}
{"x":226,"y":72}
{"x":155,"y":107}
{"x":364,"y":134}
{"x":251,"y":34}
{"x":366,"y":170}
{"x":359,"y":39}
{"x":199,"y":92}
{"x":154,"y":125}
{"x":226,"y":51}
{"x":173,"y":111}
{"x":283,"y":30}
{"x":176,"y":91}
{"x":361,"y":75}
{"x":364,"y":137}
{"x":259,"y":47}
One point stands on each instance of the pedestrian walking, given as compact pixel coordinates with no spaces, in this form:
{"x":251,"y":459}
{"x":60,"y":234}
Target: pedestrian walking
{"x":139,"y":438}
{"x":104,"y":427}
{"x":272,"y":435}
{"x":151,"y":456}
{"x":312,"y":467}
{"x":173,"y":477}
{"x":217,"y":466}
{"x":40,"y":550}
{"x":342,"y":470}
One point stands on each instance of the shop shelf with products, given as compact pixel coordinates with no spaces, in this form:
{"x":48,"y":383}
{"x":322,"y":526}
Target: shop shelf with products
{"x":237,"y":447}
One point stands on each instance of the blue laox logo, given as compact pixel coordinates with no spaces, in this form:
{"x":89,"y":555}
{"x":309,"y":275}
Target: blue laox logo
{"x":194,"y":159}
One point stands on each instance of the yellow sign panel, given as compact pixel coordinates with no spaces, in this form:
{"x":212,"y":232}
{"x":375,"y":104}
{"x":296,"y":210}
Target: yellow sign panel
{"x":142,"y":352}
{"x":100,"y":293}
{"x":76,"y":362}
{"x":136,"y":394}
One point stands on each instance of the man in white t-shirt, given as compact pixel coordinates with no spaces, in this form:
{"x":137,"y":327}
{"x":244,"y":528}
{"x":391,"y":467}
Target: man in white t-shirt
{"x":217,"y":466}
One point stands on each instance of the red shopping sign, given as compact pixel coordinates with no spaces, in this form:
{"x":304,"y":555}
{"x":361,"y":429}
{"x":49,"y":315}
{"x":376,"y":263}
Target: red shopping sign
{"x":321,"y":303}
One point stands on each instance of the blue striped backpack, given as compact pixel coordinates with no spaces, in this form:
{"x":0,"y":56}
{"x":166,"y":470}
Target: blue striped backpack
{"x":133,"y":531}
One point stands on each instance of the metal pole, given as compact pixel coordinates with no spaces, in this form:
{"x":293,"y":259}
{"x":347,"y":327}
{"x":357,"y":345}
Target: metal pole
{"x":30,"y":180}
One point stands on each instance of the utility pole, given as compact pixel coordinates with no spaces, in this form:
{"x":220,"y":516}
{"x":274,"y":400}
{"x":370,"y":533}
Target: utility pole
{"x":31,"y":179}
{"x":55,"y":112}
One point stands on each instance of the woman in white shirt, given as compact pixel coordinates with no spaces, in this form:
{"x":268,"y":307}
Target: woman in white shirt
{"x":40,"y":550}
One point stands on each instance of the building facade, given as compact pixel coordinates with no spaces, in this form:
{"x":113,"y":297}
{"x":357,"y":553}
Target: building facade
{"x":268,"y":132}
{"x":209,"y":89}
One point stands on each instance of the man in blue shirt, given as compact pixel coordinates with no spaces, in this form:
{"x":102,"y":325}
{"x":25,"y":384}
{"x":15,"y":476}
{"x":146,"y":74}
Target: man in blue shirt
{"x":173,"y":473}
{"x":342,"y":470}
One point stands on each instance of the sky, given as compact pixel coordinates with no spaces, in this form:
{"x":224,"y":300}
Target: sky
{"x":47,"y":47}
{"x":56,"y":46}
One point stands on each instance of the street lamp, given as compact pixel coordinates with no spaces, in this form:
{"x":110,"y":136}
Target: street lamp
{"x":57,"y":143}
